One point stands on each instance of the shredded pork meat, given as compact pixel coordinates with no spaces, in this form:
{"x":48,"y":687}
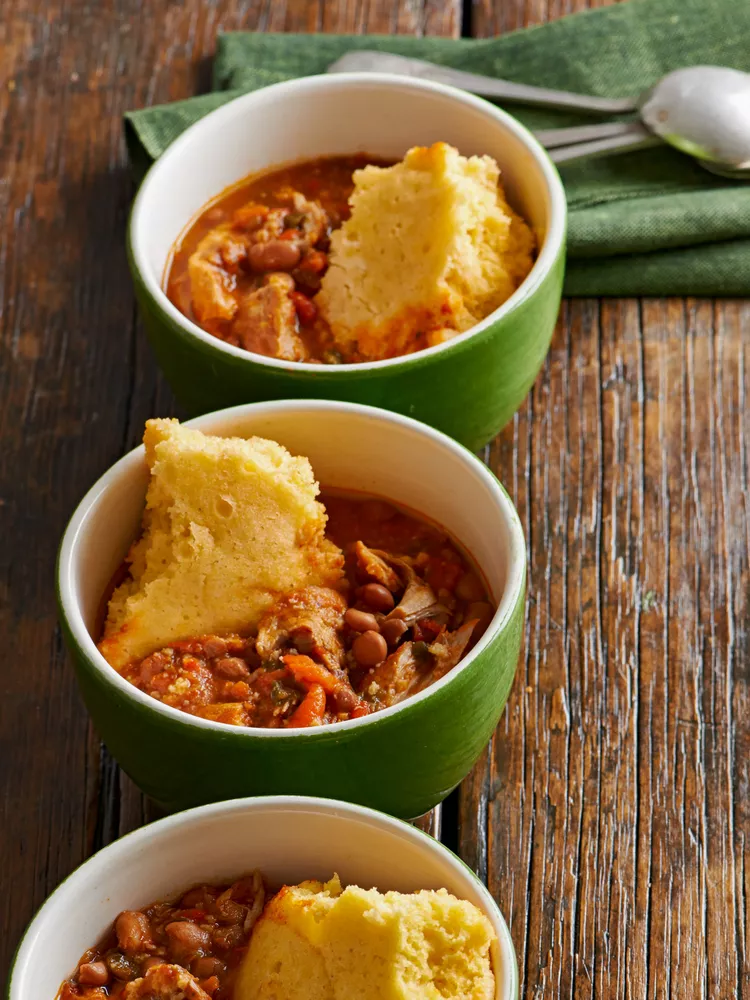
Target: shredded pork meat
{"x":239,"y":275}
{"x":266,"y":320}
{"x":212,"y":270}
{"x":165,"y":982}
{"x":374,"y":565}
{"x":311,"y":620}
{"x":396,"y":677}
{"x":449,"y":647}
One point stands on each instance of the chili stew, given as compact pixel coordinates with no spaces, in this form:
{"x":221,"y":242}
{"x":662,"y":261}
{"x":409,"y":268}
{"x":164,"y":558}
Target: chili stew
{"x":190,"y":948}
{"x":411,"y":607}
{"x":247,"y":269}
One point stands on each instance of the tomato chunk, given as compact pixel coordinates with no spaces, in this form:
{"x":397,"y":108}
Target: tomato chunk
{"x":306,"y":308}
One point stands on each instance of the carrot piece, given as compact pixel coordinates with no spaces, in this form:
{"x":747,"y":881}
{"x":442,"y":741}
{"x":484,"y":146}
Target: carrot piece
{"x":307,"y":672}
{"x":238,"y":691}
{"x":310,"y":711}
{"x":360,"y":711}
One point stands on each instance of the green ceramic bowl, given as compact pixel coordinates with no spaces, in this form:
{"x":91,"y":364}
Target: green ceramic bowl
{"x":289,"y":839}
{"x":468,"y":387}
{"x":404,"y":759}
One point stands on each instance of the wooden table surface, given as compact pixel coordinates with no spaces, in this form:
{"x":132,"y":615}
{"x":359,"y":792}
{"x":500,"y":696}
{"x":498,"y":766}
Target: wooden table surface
{"x":611,"y":814}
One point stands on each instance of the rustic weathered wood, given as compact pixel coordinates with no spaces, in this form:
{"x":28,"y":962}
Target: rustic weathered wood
{"x":610,"y":816}
{"x":76,"y":377}
{"x":611,"y":813}
{"x":431,"y":822}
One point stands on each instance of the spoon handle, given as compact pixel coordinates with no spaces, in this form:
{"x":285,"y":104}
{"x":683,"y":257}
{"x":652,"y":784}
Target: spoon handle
{"x":524,"y":93}
{"x":365,"y":60}
{"x":553,"y":138}
{"x":631,"y":137}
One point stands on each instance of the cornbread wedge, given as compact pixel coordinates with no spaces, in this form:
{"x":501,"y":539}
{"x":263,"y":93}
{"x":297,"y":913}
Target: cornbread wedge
{"x":430,"y":249}
{"x":319,"y":942}
{"x":230,"y":524}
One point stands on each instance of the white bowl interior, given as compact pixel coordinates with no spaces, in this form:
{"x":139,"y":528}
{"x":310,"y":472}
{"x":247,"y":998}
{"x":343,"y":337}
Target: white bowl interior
{"x":350,"y":447}
{"x":339,"y":114}
{"x":288,"y":839}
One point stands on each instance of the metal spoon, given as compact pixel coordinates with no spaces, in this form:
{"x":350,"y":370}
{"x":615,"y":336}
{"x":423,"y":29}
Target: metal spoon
{"x":701,"y":110}
{"x":367,"y":61}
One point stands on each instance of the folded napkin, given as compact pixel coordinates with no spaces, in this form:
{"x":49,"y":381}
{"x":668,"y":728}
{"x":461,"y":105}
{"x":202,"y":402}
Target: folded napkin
{"x":644,"y":223}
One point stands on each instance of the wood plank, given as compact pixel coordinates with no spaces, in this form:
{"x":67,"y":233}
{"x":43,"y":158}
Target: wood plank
{"x":610,"y":815}
{"x":66,"y":335}
{"x":498,"y":17}
{"x":77,"y":379}
{"x":385,"y":16}
{"x":431,"y":822}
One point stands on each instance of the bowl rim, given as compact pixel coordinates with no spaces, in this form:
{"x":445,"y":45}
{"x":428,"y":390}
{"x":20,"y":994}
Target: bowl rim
{"x":107,"y":857}
{"x":71,"y":614}
{"x":240,"y":106}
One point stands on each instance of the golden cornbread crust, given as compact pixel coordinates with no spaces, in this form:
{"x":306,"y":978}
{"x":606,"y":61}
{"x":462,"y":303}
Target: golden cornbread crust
{"x":430,"y":249}
{"x":230,"y":525}
{"x":319,"y":942}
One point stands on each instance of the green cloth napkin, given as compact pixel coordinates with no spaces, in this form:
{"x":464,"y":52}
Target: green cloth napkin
{"x":644,"y":223}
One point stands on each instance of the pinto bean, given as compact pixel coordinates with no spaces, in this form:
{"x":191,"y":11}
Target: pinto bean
{"x":208,"y":966}
{"x":186,"y":940}
{"x":369,"y":649}
{"x":93,"y":974}
{"x":133,"y":931}
{"x":275,"y":255}
{"x":215,"y":646}
{"x":231,"y":667}
{"x":378,"y":597}
{"x":392,"y":630}
{"x":361,"y":621}
{"x":345,"y":699}
{"x":154,"y":664}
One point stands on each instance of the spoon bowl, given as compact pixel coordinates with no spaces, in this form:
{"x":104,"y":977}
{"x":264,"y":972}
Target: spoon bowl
{"x":703,"y":111}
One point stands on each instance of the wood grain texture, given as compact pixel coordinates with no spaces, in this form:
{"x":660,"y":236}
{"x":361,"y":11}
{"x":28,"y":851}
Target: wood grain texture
{"x":77,"y":380}
{"x":611,"y":813}
{"x":610,"y":816}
